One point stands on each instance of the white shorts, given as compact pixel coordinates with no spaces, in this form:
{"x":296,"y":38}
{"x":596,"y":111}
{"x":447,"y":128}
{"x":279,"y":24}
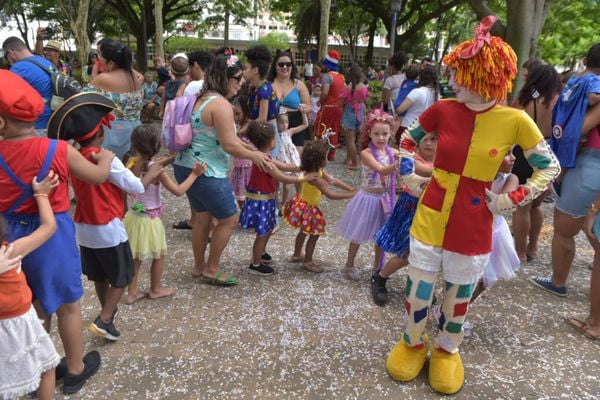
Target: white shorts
{"x":456,"y":268}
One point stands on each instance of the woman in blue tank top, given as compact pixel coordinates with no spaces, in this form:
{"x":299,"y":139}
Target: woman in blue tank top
{"x":290,"y":91}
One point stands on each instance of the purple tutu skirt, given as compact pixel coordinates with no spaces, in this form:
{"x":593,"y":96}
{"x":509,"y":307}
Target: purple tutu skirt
{"x":504,"y":261}
{"x":362,"y":219}
{"x":239,"y":180}
{"x":394,"y":237}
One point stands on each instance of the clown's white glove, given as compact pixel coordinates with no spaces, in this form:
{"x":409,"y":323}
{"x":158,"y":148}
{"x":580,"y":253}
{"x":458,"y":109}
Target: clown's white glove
{"x":499,"y":204}
{"x":414,"y":183}
{"x":411,"y":181}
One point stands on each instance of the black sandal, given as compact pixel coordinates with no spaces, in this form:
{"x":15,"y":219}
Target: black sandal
{"x":183,"y":224}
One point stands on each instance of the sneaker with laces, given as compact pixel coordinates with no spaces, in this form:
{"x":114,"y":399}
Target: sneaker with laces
{"x":61,"y":369}
{"x":545,"y":282}
{"x":266,"y":258}
{"x":91,"y":363}
{"x":260,"y":269}
{"x":103,"y":329}
{"x":378,"y":289}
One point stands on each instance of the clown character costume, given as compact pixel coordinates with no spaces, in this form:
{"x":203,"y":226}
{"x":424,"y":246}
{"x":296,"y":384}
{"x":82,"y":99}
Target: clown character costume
{"x":106,"y":256}
{"x":451,"y":232}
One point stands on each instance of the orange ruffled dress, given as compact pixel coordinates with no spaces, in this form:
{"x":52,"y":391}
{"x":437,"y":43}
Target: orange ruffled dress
{"x":303,"y":211}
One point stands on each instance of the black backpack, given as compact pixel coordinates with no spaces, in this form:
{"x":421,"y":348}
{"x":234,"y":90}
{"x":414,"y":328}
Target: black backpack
{"x":63,"y":86}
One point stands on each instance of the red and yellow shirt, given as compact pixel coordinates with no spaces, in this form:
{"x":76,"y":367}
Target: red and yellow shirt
{"x":452,"y":212}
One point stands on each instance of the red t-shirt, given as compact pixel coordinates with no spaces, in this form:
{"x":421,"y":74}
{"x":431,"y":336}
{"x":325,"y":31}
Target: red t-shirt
{"x":25,"y":158}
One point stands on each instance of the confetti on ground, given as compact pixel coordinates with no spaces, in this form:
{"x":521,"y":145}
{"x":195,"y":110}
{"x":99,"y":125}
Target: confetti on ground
{"x":300,"y":335}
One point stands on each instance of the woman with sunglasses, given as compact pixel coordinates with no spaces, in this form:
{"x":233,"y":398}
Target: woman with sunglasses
{"x":211,"y":196}
{"x":291,"y":92}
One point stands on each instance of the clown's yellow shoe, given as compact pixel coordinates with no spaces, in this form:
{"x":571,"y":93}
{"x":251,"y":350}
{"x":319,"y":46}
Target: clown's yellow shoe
{"x":446,"y":371}
{"x":404,"y":363}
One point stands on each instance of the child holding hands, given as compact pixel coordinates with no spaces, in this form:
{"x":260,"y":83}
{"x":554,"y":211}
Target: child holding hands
{"x":303,"y":211}
{"x":143,"y":224}
{"x":260,"y":211}
{"x":370,"y":208}
{"x":105,"y":253}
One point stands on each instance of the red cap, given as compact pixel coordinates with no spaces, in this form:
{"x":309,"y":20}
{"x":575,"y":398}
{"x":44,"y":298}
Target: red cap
{"x":18,"y":99}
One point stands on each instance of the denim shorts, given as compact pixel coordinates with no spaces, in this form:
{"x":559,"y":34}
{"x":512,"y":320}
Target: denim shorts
{"x":214,"y":195}
{"x":349,"y":120}
{"x":580,"y":185}
{"x":118,"y":138}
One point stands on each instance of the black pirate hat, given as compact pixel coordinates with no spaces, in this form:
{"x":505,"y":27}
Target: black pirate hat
{"x":80,"y":117}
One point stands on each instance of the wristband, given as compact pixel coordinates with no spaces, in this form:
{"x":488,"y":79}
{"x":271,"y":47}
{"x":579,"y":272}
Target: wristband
{"x":301,"y":176}
{"x":40,"y":195}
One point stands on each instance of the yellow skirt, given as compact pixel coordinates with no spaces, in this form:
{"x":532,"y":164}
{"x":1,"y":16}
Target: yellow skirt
{"x":147,"y":236}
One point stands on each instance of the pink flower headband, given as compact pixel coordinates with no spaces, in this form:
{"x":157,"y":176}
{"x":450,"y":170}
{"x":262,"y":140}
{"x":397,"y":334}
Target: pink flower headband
{"x":232,"y":60}
{"x":378,"y":115}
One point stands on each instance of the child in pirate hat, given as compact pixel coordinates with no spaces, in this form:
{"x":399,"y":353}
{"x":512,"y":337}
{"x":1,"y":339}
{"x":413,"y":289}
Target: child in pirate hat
{"x":105,"y":253}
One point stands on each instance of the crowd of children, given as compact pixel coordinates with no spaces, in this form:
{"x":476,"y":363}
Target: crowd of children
{"x":401,"y":206}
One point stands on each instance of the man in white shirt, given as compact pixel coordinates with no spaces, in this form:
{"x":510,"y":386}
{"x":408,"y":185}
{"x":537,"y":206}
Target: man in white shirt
{"x":308,"y":69}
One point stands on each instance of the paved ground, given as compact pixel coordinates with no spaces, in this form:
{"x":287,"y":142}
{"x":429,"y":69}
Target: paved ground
{"x":299,"y":335}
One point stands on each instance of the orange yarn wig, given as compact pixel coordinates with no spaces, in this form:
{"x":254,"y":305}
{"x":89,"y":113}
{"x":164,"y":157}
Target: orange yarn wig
{"x":485,"y":64}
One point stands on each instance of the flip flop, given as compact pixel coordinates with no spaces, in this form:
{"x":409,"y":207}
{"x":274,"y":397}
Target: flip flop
{"x":580,"y":324}
{"x":217,"y":281}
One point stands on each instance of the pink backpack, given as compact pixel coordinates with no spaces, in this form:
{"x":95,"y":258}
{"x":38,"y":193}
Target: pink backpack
{"x":177,"y":123}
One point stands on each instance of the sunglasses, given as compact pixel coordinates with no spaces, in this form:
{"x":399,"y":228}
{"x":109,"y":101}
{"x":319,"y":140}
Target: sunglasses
{"x":238,"y":77}
{"x":284,"y":64}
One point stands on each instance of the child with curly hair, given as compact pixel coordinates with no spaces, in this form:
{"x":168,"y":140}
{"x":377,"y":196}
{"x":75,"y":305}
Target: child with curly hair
{"x":303,"y":211}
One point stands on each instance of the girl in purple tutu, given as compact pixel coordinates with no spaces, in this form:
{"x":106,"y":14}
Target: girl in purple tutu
{"x":394,"y":236}
{"x":366,"y":213}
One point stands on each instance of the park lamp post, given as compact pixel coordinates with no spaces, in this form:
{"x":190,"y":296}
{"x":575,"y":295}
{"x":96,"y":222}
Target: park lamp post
{"x":396,"y":7}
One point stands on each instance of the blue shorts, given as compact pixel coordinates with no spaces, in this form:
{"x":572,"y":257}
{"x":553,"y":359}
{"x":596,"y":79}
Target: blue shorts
{"x":349,"y":120}
{"x":580,"y":185}
{"x":53,"y":270}
{"x":118,"y":138}
{"x":214,"y":195}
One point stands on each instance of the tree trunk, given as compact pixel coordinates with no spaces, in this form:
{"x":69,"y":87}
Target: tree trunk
{"x":524,"y":23}
{"x":372,"y":29}
{"x":22,"y":26}
{"x":140,"y":51}
{"x":159,"y":46}
{"x":324,"y":31}
{"x":78,"y":18}
{"x":226,"y":29}
{"x":142,"y":40}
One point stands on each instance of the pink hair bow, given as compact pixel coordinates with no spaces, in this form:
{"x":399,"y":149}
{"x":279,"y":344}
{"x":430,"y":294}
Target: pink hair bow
{"x":482,"y":37}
